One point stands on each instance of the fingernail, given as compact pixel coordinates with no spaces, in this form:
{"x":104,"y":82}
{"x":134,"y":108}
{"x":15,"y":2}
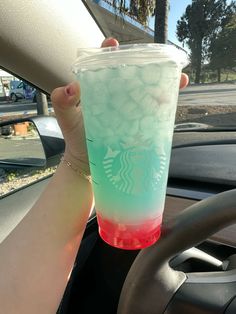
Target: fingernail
{"x":69,"y":90}
{"x":77,"y":104}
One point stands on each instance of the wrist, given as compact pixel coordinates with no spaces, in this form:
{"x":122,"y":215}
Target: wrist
{"x":76,"y":170}
{"x":81,"y":164}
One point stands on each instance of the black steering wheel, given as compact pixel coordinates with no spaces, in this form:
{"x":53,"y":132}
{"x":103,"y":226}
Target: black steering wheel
{"x":153,"y":287}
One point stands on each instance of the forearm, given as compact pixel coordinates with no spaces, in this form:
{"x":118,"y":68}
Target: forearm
{"x":40,"y":251}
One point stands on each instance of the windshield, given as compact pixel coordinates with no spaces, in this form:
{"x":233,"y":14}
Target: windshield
{"x":206,"y":30}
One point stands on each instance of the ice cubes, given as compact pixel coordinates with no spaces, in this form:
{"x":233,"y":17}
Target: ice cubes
{"x":119,"y":101}
{"x":103,"y":75}
{"x":137,"y":95}
{"x":150,"y":74}
{"x":127,"y":71}
{"x":131,"y":105}
{"x":115,"y":85}
{"x":93,"y":128}
{"x":153,"y":90}
{"x":147,"y":123}
{"x":99,"y":92}
{"x":97,"y":108}
{"x":105,"y":119}
{"x":128,"y":107}
{"x":89,"y":77}
{"x":133,"y":84}
{"x":115,"y":119}
{"x":149,"y":104}
{"x":136,"y":114}
{"x":133,"y":128}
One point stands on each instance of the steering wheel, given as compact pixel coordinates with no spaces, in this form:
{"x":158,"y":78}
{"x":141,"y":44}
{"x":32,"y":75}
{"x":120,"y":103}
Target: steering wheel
{"x":152,"y":286}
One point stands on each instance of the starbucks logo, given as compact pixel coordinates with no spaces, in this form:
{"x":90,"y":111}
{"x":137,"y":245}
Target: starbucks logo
{"x":133,"y":172}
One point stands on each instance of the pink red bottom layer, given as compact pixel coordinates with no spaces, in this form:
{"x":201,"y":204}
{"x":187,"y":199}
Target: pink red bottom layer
{"x":130,"y":237}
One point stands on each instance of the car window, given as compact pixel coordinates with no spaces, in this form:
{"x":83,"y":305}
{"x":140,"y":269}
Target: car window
{"x":22,"y":157}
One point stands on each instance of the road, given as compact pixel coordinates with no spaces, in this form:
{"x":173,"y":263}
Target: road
{"x":19,"y":107}
{"x":23,"y":150}
{"x":208,"y":94}
{"x":205,"y":94}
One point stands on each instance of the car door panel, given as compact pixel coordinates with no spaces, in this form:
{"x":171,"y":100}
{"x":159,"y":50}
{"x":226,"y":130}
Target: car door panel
{"x":15,"y":205}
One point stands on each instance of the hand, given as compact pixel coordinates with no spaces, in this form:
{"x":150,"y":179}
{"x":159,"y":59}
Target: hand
{"x":184,"y":80}
{"x":65,"y":101}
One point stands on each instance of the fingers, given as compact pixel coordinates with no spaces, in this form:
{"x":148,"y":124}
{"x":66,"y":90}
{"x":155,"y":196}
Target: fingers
{"x":183,"y":81}
{"x":110,"y":42}
{"x":64,"y":101}
{"x":66,"y":96}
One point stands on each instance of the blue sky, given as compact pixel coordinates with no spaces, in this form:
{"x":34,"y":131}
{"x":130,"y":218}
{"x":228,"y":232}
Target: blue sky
{"x":177,"y":8}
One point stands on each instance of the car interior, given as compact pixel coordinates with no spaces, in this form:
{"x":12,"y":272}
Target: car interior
{"x":192,"y":268}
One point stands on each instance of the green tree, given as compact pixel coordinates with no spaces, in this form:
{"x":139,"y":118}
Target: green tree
{"x":143,"y":9}
{"x":222,"y":51}
{"x":198,"y":26}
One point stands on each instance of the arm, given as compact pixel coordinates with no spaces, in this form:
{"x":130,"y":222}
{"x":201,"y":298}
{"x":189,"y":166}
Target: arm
{"x":36,"y":258}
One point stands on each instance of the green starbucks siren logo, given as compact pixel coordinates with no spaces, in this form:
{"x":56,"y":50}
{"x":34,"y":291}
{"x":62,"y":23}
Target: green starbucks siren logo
{"x":130,"y":172}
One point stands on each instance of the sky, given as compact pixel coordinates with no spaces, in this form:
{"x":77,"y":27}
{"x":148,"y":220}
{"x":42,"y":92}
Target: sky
{"x":177,"y":8}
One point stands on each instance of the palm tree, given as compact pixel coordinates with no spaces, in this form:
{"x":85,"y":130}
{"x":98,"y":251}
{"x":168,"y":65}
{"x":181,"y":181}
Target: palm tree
{"x":143,"y":9}
{"x":140,"y":9}
{"x":161,"y":21}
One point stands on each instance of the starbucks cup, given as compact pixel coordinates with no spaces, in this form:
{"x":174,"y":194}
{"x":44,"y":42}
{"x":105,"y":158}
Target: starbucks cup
{"x":129,"y":96}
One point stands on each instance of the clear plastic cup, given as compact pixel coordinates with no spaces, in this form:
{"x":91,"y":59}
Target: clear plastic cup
{"x":129,"y":97}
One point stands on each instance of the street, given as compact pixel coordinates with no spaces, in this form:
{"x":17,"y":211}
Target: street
{"x":19,"y":107}
{"x":22,"y":150}
{"x":196,"y":95}
{"x":208,"y":94}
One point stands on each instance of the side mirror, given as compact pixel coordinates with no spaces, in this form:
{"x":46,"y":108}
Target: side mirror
{"x":31,"y":142}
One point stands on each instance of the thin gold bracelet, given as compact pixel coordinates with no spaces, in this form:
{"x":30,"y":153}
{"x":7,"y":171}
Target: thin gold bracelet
{"x":76,"y":170}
